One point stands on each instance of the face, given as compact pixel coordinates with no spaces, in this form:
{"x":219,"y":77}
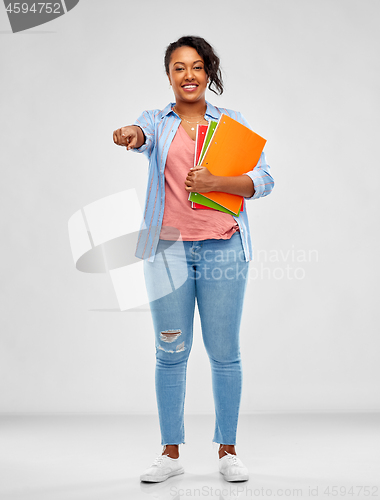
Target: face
{"x":187,"y":75}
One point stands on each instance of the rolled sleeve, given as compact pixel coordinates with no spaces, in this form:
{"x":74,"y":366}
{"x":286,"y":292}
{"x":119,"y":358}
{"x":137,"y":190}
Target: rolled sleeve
{"x":262,"y":180}
{"x":145,"y":122}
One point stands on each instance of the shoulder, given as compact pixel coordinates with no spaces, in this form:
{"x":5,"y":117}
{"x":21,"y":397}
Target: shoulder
{"x":229,"y":112}
{"x":236,"y":115}
{"x":151,"y":114}
{"x":155,"y":116}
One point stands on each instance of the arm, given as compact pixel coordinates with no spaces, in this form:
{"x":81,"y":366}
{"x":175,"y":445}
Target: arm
{"x":261,"y":183}
{"x":138,"y":137}
{"x":241,"y":185}
{"x":261,"y":178}
{"x":130,"y":136}
{"x":145,"y":123}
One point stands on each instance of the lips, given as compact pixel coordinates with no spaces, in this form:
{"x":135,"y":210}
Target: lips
{"x":190,"y":87}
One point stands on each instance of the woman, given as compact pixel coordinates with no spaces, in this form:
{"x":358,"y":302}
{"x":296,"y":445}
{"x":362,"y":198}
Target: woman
{"x":214,"y":248}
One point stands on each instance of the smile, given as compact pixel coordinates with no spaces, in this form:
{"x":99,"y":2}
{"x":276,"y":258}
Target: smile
{"x":189,"y":87}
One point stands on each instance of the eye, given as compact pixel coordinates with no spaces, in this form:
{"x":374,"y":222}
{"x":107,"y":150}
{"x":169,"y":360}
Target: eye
{"x":198,"y":67}
{"x":178,"y":69}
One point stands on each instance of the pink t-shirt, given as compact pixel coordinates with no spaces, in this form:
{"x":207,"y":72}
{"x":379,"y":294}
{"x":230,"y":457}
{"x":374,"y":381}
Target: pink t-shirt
{"x":193,"y":224}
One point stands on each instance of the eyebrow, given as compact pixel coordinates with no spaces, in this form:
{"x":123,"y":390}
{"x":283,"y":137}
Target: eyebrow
{"x":179,"y":62}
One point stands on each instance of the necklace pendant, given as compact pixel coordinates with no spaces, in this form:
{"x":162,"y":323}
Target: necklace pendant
{"x":192,"y":128}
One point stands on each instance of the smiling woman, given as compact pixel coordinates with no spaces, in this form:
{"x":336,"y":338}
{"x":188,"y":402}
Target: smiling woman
{"x":215,"y":252}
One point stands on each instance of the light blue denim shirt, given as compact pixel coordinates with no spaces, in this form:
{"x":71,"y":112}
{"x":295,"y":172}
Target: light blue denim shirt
{"x":160,"y":127}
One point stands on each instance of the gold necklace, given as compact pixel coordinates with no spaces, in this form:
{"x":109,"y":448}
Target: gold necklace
{"x":183,"y":117}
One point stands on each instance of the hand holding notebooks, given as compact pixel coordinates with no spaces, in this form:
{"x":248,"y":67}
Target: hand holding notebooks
{"x":233,"y":150}
{"x":203,"y":137}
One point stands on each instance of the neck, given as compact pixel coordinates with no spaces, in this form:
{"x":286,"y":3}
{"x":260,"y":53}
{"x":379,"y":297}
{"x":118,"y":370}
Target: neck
{"x":195,"y":109}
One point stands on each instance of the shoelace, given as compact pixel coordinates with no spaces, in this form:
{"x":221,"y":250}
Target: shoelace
{"x":232,"y":458}
{"x":158,"y":460}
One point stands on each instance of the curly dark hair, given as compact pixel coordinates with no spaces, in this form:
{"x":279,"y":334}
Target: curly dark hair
{"x":210,"y":58}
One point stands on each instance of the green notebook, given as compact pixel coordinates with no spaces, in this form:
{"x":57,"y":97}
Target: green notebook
{"x":202,"y":200}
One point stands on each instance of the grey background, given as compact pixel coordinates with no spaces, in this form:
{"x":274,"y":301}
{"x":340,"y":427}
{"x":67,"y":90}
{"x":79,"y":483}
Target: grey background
{"x":305,"y":74}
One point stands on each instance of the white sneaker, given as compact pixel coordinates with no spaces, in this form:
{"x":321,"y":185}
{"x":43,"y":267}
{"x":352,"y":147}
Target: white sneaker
{"x":232,"y":468}
{"x":162,"y":468}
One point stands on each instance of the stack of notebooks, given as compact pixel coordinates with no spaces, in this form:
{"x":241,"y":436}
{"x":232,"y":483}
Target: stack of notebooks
{"x":225,"y":148}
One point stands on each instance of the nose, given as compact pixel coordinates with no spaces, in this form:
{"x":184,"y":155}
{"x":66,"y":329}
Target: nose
{"x":189,"y":74}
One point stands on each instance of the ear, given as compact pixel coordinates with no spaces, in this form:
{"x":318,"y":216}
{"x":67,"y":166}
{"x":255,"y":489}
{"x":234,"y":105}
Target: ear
{"x":169,"y":78}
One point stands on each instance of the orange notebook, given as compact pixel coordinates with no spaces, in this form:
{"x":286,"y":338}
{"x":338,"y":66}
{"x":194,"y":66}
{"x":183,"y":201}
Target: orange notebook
{"x":199,"y":141}
{"x":233,"y":150}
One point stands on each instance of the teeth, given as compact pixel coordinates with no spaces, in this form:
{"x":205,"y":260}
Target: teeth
{"x":189,"y":86}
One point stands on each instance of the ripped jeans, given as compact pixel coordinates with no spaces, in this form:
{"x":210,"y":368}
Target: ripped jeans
{"x":215,"y":273}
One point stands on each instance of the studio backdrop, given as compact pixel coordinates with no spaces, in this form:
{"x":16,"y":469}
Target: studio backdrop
{"x":305,"y":75}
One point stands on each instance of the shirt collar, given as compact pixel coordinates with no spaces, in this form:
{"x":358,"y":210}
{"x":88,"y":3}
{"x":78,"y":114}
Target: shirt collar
{"x":210,"y":111}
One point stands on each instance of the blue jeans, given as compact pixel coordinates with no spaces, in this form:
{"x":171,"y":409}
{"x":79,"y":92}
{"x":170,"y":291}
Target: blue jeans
{"x":216,"y":275}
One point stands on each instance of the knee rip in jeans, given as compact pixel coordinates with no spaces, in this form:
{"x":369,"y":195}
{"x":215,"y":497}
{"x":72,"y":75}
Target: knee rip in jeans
{"x":170,"y":336}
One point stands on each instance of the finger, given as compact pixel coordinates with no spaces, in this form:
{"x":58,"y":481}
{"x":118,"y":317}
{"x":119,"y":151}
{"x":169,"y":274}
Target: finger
{"x":122,"y":135}
{"x":131,"y":142}
{"x":119,"y":141}
{"x":128,"y":141}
